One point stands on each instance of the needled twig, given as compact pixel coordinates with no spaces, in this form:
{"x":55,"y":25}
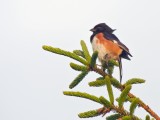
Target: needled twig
{"x":121,"y":88}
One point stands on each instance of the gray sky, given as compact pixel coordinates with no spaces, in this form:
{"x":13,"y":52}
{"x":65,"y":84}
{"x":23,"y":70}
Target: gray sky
{"x":32,"y":80}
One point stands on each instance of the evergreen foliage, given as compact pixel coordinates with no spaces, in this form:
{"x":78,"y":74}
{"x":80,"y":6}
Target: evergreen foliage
{"x":88,"y":114}
{"x":78,"y":79}
{"x":113,"y":117}
{"x":85,"y":51}
{"x":65,"y":53}
{"x":109,"y":89}
{"x":105,"y":102}
{"x":82,"y":95}
{"x":79,"y":53}
{"x":78,"y":67}
{"x":134,"y":81}
{"x":97,"y":83}
{"x":88,"y":62}
{"x":133,"y":105}
{"x":123,"y":95}
{"x":93,"y":59}
{"x":126,"y":118}
{"x":147,"y":117}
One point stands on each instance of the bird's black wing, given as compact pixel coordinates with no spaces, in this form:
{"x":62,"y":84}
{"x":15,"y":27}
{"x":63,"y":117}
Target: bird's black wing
{"x":114,"y":38}
{"x":124,"y":53}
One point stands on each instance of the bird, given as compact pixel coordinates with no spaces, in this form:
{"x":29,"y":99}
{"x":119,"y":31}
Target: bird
{"x":108,"y":45}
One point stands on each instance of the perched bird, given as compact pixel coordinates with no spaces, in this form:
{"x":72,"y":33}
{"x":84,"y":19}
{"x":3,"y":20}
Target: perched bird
{"x":108,"y":45}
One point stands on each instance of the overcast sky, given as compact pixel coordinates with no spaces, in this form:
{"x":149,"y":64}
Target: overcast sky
{"x":32,"y":80}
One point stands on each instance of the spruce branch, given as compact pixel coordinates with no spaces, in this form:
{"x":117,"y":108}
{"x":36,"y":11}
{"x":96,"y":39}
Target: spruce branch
{"x":109,"y":89}
{"x":65,"y":53}
{"x":113,"y":63}
{"x":101,"y":82}
{"x":93,"y":59}
{"x":110,"y":66}
{"x":89,"y":63}
{"x":147,"y":117}
{"x":85,"y":51}
{"x":113,"y":117}
{"x":97,"y":83}
{"x":121,"y":87}
{"x":133,"y":105}
{"x":100,"y":78}
{"x":78,"y":67}
{"x":79,"y":53}
{"x":115,"y":83}
{"x":134,"y":81}
{"x":82,"y":95}
{"x":101,"y":100}
{"x":99,"y":71}
{"x":88,"y":114}
{"x":105,"y":102}
{"x":123,"y":95}
{"x":127,"y":118}
{"x":124,"y":112}
{"x":78,"y":79}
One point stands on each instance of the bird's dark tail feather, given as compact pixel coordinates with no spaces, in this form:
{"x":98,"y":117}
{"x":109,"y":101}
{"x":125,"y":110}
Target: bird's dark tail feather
{"x":120,"y":69}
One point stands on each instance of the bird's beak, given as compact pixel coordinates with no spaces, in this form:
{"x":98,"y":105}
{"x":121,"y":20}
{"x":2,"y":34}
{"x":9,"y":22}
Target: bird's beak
{"x":93,"y":30}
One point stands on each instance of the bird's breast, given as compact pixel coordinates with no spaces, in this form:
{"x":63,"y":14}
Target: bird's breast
{"x":99,"y":47}
{"x":104,"y":46}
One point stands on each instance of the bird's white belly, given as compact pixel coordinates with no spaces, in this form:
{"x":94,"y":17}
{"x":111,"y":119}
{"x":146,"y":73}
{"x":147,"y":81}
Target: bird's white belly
{"x":100,"y":48}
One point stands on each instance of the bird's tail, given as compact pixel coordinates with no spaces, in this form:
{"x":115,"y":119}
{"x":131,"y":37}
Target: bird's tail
{"x":120,"y":69}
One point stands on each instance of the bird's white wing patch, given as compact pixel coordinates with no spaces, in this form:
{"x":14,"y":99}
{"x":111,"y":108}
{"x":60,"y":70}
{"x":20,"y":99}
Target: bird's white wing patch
{"x":115,"y":41}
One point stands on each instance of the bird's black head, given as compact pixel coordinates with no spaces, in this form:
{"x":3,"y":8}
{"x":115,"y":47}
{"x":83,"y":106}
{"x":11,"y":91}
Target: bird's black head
{"x":102,"y":27}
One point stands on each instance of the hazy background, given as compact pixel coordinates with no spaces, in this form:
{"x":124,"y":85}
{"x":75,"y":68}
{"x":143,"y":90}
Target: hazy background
{"x":32,"y":80}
